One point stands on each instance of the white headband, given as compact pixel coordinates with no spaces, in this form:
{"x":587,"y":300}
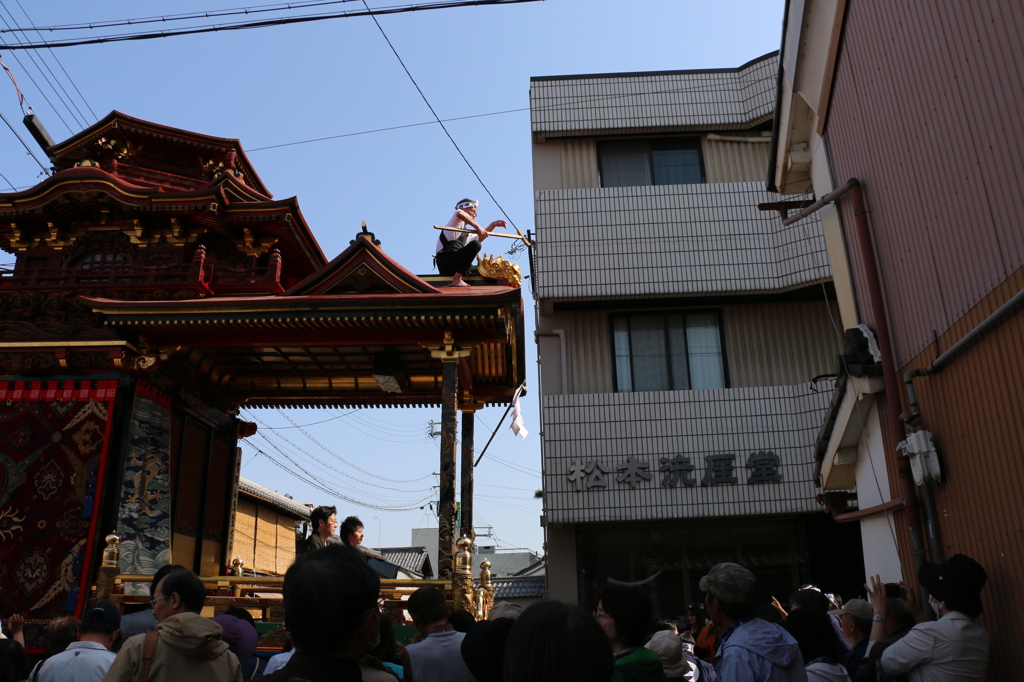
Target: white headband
{"x":466,"y":204}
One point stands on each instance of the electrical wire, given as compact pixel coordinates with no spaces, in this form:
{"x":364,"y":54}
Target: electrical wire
{"x":8,"y":182}
{"x":238,"y":26}
{"x":42,"y":73}
{"x":207,"y":14}
{"x":55,"y":58}
{"x":436,"y":117}
{"x":25,"y":144}
{"x":337,"y":456}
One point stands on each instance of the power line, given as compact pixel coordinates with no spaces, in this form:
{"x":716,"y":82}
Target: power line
{"x":207,"y":14}
{"x":238,"y":26}
{"x":33,"y":79}
{"x":53,"y":87}
{"x":574,"y":101}
{"x":436,"y":117}
{"x":66,"y":74}
{"x":25,"y":144}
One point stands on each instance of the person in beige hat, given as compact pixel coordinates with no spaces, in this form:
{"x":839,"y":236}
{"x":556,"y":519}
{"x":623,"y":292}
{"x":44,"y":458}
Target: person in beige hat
{"x":669,"y":647}
{"x":855,"y":621}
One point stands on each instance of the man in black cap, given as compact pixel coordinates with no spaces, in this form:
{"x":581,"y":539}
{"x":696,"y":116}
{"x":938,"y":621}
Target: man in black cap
{"x":88,"y":659}
{"x":749,"y":649}
{"x":953,"y":647}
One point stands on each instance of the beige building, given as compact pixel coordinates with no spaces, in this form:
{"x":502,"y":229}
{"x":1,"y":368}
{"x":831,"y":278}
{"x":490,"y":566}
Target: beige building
{"x":682,"y":338}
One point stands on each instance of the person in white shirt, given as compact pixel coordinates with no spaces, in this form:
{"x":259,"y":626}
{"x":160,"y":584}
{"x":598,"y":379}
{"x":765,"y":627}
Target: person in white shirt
{"x":455,"y":251}
{"x":952,"y":648}
{"x":88,"y":659}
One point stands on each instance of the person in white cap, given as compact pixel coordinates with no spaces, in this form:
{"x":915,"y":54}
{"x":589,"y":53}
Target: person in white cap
{"x":455,"y":251}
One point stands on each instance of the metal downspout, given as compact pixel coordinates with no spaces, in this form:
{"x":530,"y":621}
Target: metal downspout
{"x":913,"y":414}
{"x":874,"y":286}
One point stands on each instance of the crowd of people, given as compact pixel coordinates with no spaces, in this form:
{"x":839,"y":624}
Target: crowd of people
{"x":334,"y":617}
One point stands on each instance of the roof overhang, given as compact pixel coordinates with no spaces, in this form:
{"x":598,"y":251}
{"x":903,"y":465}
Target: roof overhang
{"x":837,"y":446}
{"x":811,"y":33}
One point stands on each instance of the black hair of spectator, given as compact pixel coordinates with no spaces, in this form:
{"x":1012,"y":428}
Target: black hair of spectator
{"x":630,"y":607}
{"x":697,"y":609}
{"x":188,"y":587}
{"x":349,"y":526}
{"x":59,"y":633}
{"x":388,"y":647}
{"x":461,"y":620}
{"x":737,"y":611}
{"x":769,"y":613}
{"x":321,"y":513}
{"x":687,"y":638}
{"x":241,"y":614}
{"x":426,"y":606}
{"x":810,"y":599}
{"x":899,"y":614}
{"x":556,"y":642}
{"x":13,"y":662}
{"x":813,"y":632}
{"x":161,"y":574}
{"x":326,"y":595}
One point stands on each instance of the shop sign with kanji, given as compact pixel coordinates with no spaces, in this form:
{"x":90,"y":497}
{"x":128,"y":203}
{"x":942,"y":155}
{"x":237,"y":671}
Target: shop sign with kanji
{"x":674,"y":471}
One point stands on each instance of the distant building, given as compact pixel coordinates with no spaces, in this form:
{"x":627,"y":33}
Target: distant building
{"x":266,"y":529}
{"x":684,"y":336}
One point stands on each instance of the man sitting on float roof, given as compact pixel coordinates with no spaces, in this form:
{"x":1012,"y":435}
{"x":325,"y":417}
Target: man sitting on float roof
{"x":456,"y":250}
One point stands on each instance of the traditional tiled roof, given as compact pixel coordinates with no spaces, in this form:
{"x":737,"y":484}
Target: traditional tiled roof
{"x":411,"y":559}
{"x":277,"y":500}
{"x":514,"y":587}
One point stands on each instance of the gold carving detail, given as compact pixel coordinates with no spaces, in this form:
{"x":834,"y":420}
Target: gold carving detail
{"x":499,"y":268}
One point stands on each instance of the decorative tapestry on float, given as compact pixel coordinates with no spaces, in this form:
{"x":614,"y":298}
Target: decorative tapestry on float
{"x":144,"y":511}
{"x":53,"y":450}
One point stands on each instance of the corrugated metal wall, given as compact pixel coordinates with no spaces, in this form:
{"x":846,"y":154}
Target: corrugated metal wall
{"x":926,"y":113}
{"x":929,"y":119}
{"x":726,"y":161}
{"x":780,"y":344}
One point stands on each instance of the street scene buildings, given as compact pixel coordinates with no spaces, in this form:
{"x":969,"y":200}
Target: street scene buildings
{"x":776,"y":321}
{"x":684,"y":337}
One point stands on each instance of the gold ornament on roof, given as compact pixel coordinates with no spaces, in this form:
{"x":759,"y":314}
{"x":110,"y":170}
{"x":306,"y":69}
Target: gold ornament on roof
{"x":499,"y":268}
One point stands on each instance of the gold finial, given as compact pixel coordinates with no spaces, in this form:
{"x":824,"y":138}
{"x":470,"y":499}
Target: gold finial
{"x":236,"y":565}
{"x":111,"y":552}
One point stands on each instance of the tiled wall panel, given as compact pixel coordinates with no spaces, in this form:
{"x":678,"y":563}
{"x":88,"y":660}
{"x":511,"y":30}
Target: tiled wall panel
{"x":725,"y":99}
{"x":637,"y":242}
{"x":609,"y":428}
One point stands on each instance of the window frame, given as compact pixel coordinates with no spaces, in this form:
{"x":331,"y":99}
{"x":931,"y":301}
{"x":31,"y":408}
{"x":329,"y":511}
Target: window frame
{"x":650,"y":140}
{"x":668,"y":354}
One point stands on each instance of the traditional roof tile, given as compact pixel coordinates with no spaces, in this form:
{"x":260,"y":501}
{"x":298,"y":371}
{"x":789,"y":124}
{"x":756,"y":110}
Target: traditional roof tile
{"x":410,"y":559}
{"x":276,"y":500}
{"x":514,"y":587}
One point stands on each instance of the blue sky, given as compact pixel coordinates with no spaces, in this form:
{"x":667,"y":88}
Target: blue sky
{"x":285,"y":84}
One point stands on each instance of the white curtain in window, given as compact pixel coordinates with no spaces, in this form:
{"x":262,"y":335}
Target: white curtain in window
{"x":704,"y":344}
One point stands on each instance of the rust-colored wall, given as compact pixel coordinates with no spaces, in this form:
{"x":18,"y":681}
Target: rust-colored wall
{"x":926,"y":113}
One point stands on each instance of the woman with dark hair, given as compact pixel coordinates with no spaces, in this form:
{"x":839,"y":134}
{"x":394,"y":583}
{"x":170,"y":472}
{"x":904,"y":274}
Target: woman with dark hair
{"x":624,"y":613}
{"x":813,"y":633}
{"x":694,"y":623}
{"x":556,"y":642}
{"x":13,"y":664}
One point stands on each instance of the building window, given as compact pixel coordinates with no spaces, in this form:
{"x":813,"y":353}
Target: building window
{"x":103,"y":260}
{"x":668,"y":352}
{"x":669,"y":161}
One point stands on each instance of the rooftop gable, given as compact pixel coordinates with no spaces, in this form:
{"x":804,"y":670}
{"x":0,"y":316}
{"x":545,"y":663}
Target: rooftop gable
{"x":362,"y":268}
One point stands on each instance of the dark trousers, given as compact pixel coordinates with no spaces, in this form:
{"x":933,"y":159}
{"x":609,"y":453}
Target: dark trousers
{"x":460,"y":260}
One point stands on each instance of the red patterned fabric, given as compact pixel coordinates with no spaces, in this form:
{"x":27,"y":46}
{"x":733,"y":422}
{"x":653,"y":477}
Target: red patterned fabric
{"x":53,"y":447}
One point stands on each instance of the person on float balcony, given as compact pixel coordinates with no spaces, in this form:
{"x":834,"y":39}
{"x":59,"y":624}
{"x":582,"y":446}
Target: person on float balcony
{"x":455,"y":251}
